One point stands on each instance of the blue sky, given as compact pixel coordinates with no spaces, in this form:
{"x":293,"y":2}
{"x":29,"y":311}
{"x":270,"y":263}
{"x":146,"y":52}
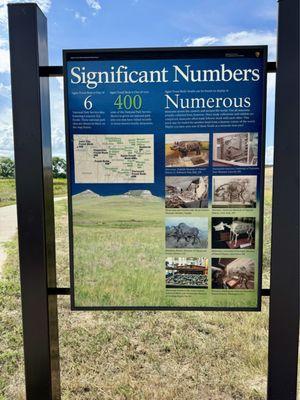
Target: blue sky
{"x":139,"y":23}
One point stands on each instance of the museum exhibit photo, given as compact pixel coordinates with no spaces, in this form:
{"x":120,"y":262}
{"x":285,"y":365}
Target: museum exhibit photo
{"x":232,"y":273}
{"x":189,"y":272}
{"x":186,"y":192}
{"x":186,"y":232}
{"x":235,"y":149}
{"x":187,"y":150}
{"x":233,"y":233}
{"x":234,"y":191}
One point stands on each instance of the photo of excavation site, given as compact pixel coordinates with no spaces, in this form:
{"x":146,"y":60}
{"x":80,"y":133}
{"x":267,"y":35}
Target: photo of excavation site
{"x":186,"y":192}
{"x":232,"y":273}
{"x":187,"y":272}
{"x":233,"y":233}
{"x":188,"y":233}
{"x":187,"y":150}
{"x":235,"y":149}
{"x":234,"y":191}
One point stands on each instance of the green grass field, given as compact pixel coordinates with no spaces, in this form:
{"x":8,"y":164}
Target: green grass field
{"x":118,"y":250}
{"x":140,"y":355}
{"x":8,"y":190}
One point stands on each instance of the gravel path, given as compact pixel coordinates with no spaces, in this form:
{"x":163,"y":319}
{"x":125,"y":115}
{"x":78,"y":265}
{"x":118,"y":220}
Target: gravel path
{"x":8,"y":227}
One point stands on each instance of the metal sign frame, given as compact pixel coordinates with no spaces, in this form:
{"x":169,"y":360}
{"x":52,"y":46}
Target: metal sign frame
{"x":165,"y":53}
{"x":32,"y":141}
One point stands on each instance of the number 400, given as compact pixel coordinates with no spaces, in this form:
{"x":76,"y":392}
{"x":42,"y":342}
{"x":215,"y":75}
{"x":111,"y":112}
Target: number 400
{"x":128,"y":102}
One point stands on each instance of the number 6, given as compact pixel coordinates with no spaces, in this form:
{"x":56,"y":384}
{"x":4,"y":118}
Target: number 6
{"x":88,"y":103}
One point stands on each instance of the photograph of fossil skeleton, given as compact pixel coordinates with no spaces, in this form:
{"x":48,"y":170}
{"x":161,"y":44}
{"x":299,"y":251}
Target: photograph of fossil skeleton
{"x":187,"y":150}
{"x":235,"y":149}
{"x":186,"y":192}
{"x":233,"y":233}
{"x":232,"y":273}
{"x":234,"y":191}
{"x":186,"y":232}
{"x":187,"y":272}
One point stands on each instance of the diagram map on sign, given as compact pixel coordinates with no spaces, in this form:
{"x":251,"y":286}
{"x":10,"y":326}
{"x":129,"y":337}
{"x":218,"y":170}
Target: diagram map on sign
{"x":114,"y":158}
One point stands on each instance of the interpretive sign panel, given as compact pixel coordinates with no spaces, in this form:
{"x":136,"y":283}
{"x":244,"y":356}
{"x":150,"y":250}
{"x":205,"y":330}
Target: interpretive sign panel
{"x":166,"y":171}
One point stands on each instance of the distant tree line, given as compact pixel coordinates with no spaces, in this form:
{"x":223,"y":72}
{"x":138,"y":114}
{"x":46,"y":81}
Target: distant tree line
{"x":7,"y":167}
{"x":59,"y":167}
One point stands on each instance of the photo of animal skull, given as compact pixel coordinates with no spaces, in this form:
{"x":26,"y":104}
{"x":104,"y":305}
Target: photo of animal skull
{"x":187,"y":150}
{"x":185,"y":232}
{"x":186,"y":192}
{"x":233,"y":233}
{"x":232,"y":273}
{"x":234,"y":191}
{"x":235,"y":149}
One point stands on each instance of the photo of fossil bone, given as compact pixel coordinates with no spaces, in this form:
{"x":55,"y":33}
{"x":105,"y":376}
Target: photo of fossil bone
{"x":234,"y":191}
{"x":189,"y":272}
{"x":186,"y":192}
{"x":186,"y":232}
{"x":233,"y":233}
{"x":232,"y":273}
{"x":187,"y":150}
{"x":235,"y":149}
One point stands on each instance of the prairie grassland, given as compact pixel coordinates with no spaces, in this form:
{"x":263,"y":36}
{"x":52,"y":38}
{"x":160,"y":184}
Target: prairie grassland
{"x":8,"y":190}
{"x":118,"y":250}
{"x":140,"y":355}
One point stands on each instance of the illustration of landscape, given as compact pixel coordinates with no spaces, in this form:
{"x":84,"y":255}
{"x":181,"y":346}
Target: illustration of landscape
{"x":194,"y":245}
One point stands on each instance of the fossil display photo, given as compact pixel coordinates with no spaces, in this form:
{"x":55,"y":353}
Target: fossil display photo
{"x":234,"y":191}
{"x":187,"y":150}
{"x":187,"y":272}
{"x":235,"y":149}
{"x":186,"y":192}
{"x":233,"y":233}
{"x":185,"y":232}
{"x":232,"y":273}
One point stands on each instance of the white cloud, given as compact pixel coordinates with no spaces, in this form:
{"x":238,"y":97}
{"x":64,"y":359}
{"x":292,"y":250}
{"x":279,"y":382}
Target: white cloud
{"x":44,"y":5}
{"x":4,"y":60}
{"x":94,"y":4}
{"x":57,"y":117}
{"x":271,"y":84}
{"x":5,"y":90}
{"x":4,"y":55}
{"x":203,"y":41}
{"x":60,"y":82}
{"x":6,"y":129}
{"x":269,"y":155}
{"x":58,"y":142}
{"x":57,"y":122}
{"x":82,"y":18}
{"x":241,"y":38}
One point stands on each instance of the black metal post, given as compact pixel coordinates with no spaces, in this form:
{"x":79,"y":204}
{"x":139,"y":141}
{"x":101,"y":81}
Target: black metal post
{"x":284,"y":300}
{"x":32,"y":141}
